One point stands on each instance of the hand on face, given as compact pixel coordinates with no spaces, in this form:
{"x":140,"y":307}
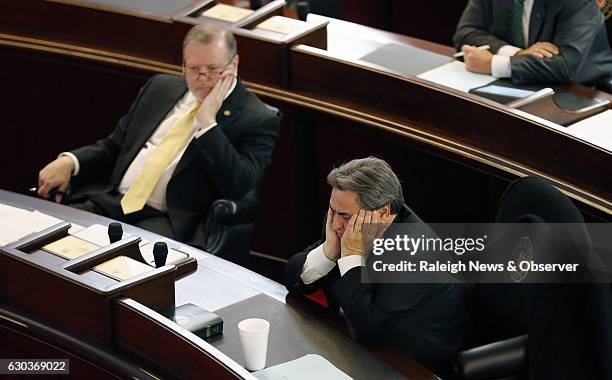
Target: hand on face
{"x":331,"y":247}
{"x":476,"y":60}
{"x":361,"y":231}
{"x":540,"y":50}
{"x":211,"y":104}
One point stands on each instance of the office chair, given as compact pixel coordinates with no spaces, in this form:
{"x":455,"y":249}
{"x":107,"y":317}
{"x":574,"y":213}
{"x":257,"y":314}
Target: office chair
{"x":606,"y":10}
{"x":228,"y":230}
{"x":540,"y":330}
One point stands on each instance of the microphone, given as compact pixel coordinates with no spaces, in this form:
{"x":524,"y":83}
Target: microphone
{"x":115,"y":232}
{"x":303,"y":9}
{"x":255,"y":4}
{"x":160,"y":253}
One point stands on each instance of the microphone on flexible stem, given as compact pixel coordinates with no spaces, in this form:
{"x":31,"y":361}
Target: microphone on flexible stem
{"x":255,"y":4}
{"x":160,"y":253}
{"x":302,"y":9}
{"x":115,"y":232}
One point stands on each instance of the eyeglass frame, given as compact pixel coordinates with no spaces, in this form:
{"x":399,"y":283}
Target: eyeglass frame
{"x":207,"y":74}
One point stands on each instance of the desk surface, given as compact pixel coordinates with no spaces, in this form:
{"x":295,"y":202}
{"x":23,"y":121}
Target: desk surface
{"x":236,"y":293}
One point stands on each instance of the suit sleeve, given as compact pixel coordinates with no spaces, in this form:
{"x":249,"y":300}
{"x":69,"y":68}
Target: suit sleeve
{"x":472,"y":27}
{"x":578,"y":24}
{"x":292,"y":276}
{"x":238,"y":168}
{"x":97,"y":160}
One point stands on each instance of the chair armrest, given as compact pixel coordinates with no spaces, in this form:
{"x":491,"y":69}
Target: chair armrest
{"x":493,"y":361}
{"x":224,"y":213}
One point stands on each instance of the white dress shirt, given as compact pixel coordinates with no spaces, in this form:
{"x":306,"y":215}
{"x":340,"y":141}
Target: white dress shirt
{"x":157,"y":200}
{"x":318,"y":265}
{"x":500,"y":65}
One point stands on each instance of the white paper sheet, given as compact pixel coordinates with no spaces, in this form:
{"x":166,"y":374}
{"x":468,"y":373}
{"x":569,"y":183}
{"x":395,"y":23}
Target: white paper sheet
{"x":17,"y":224}
{"x":454,"y":75}
{"x":307,"y":367}
{"x":596,"y":129}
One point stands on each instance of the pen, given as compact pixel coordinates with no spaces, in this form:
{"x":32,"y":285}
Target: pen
{"x":461,"y":54}
{"x":52,"y":193}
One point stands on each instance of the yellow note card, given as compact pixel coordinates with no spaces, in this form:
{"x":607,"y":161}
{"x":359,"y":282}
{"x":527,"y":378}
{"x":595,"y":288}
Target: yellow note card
{"x":70,"y":247}
{"x":227,"y":13}
{"x":283,"y":25}
{"x":122,"y":268}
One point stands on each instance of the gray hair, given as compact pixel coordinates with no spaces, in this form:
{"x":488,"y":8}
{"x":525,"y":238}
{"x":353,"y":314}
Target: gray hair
{"x":207,"y":33}
{"x":372,"y":179}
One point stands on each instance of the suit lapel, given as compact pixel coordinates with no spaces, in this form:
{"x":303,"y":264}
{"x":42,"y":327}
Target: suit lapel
{"x":538,"y":15}
{"x":230,"y":112}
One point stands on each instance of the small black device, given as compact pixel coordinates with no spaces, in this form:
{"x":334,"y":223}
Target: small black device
{"x":115,"y":232}
{"x":160,"y":253}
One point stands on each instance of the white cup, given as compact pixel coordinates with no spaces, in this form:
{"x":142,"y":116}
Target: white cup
{"x":254,"y":339}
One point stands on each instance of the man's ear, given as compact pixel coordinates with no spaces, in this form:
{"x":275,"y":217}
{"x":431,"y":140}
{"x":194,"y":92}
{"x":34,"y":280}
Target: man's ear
{"x":384,"y":211}
{"x":237,"y":58}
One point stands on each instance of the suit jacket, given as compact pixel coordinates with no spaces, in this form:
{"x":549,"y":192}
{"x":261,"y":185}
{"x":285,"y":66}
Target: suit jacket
{"x":575,"y":26}
{"x":426,"y":321}
{"x":225,"y":162}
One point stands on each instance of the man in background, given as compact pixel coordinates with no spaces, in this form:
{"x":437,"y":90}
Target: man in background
{"x":531,"y":41}
{"x":184,"y":142}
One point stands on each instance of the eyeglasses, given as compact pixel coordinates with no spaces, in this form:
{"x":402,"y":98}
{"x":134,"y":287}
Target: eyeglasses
{"x":194,"y":72}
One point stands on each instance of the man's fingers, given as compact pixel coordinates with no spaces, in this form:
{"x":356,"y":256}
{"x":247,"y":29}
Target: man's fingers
{"x":359,"y":221}
{"x":351,"y":224}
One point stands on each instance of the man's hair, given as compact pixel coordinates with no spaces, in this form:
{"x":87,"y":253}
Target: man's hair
{"x":207,"y":33}
{"x":372,"y":179}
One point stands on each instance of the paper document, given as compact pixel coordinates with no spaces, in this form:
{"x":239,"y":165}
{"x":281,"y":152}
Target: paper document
{"x":173,"y":256}
{"x":227,"y":13}
{"x":596,"y":129}
{"x":283,"y":25}
{"x":406,"y":59}
{"x":98,"y":234}
{"x":20,"y":224}
{"x":307,"y":367}
{"x":454,"y":75}
{"x":70,"y":247}
{"x":122,"y":268}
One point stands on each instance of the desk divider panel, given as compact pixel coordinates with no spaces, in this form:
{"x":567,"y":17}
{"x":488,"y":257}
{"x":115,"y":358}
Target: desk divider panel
{"x":72,"y":301}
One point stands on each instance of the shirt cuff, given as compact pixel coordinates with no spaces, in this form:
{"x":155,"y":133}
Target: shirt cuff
{"x":202,"y":131}
{"x":500,"y":66}
{"x":508,"y":50}
{"x":347,"y":263}
{"x":316,"y":265}
{"x":75,"y":161}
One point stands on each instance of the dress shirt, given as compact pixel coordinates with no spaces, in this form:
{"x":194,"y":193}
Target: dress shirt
{"x":318,"y":265}
{"x":500,"y":65}
{"x":157,"y":199}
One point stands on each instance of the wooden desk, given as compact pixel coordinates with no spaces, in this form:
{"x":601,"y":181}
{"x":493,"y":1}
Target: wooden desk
{"x":455,"y":152}
{"x":145,"y":344}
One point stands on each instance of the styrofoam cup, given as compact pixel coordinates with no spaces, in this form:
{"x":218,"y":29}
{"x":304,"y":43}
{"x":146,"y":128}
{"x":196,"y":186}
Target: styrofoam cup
{"x":254,"y":340}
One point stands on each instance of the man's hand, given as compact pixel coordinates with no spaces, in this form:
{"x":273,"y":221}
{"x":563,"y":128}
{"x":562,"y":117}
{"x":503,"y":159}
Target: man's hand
{"x":56,"y":175}
{"x":331,"y":247}
{"x":540,"y":50}
{"x":212,"y":102}
{"x":362,"y":229}
{"x":478,"y":61}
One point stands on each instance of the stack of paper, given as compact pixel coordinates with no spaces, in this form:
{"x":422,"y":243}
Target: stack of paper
{"x":227,"y":13}
{"x":454,"y":75}
{"x":282,"y":25}
{"x":16,"y":223}
{"x":307,"y":367}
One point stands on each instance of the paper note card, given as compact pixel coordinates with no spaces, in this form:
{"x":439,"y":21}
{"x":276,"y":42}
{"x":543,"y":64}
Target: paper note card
{"x":122,"y":268}
{"x":227,"y":13}
{"x":307,"y":367}
{"x":595,"y":129}
{"x":70,"y":247}
{"x":454,"y":75}
{"x":283,"y":25}
{"x":173,"y":256}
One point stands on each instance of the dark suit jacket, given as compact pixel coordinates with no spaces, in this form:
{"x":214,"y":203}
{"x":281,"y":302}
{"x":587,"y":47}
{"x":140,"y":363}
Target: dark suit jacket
{"x":225,"y":162}
{"x":575,"y":26}
{"x":427,"y":321}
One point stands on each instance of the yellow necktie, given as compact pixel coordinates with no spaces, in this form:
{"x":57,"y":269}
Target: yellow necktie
{"x":174,"y":140}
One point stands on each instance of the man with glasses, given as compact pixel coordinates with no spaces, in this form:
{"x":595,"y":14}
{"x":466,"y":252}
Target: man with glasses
{"x":184,"y":142}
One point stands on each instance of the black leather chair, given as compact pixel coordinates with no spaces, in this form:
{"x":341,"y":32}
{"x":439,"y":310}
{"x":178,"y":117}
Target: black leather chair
{"x":606,"y":9}
{"x":540,"y":330}
{"x":229,"y":228}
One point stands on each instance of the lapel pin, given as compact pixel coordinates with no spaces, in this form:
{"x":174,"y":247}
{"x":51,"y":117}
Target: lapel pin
{"x":227,"y":113}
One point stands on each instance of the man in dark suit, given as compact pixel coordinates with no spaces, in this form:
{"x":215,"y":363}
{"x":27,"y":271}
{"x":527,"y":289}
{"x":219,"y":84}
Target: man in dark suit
{"x":549,"y":41}
{"x":184,"y":142}
{"x":425,"y":320}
